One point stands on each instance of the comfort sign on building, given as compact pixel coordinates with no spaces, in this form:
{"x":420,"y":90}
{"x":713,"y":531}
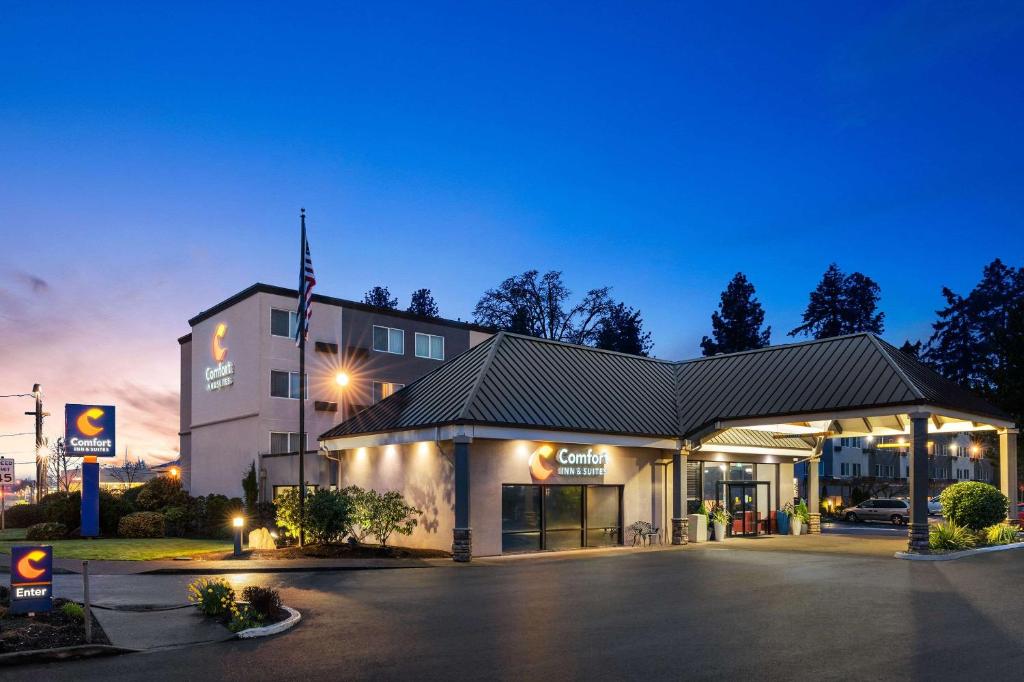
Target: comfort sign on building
{"x":552,"y":460}
{"x":89,"y":430}
{"x":31,"y":579}
{"x":222,"y":374}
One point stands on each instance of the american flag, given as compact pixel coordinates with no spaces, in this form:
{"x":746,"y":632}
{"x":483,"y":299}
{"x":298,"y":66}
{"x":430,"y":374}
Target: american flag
{"x":307,"y":280}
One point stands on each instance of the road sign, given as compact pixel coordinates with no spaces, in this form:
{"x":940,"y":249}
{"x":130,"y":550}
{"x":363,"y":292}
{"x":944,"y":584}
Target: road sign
{"x":31,"y":579}
{"x":89,"y":430}
{"x":6,"y":471}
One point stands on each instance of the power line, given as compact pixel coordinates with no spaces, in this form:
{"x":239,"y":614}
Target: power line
{"x":18,"y":395}
{"x":23,"y":433}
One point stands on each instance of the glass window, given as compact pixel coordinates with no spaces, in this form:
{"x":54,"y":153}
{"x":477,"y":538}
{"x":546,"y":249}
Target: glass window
{"x":283,"y":322}
{"x":563,"y":516}
{"x":383,"y":389}
{"x":283,"y":443}
{"x":604,"y":523}
{"x":388,"y":340}
{"x":713,"y":473}
{"x":429,"y":346}
{"x":281,"y":489}
{"x":520,"y":518}
{"x":286,"y":384}
{"x":741,"y":472}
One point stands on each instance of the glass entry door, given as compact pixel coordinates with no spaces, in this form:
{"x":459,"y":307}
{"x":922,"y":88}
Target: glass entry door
{"x":550,"y":517}
{"x":741,"y":499}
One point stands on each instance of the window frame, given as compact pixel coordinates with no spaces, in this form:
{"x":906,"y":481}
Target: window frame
{"x":396,"y":386}
{"x":430,"y":348}
{"x":293,"y":322}
{"x":292,"y":435}
{"x":290,"y":374}
{"x":389,"y":348}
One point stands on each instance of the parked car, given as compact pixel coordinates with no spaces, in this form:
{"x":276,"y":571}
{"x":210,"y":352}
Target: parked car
{"x":934,"y":506}
{"x":896,"y":512}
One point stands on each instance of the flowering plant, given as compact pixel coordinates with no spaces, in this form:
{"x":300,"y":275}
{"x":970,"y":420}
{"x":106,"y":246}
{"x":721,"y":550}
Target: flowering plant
{"x":213,"y":596}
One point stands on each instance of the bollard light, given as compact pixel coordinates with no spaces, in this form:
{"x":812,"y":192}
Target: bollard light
{"x":238,"y":522}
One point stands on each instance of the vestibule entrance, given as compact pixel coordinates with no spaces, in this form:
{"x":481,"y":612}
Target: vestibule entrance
{"x":748,"y":504}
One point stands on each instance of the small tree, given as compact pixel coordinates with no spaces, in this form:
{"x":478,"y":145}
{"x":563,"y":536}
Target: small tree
{"x":328,"y":516}
{"x":129,"y":472}
{"x":250,"y":488}
{"x":390,"y":513}
{"x":423,"y":303}
{"x":380,"y":297}
{"x":361,"y":507}
{"x":61,"y":466}
{"x":288,"y":513}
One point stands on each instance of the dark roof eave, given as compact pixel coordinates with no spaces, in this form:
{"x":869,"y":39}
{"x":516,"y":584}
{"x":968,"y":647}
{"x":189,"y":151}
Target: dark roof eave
{"x":327,"y":435}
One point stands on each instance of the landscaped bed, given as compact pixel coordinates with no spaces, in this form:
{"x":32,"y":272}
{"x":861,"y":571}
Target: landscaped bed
{"x":62,"y":627}
{"x":339,"y":551}
{"x":120,"y":549}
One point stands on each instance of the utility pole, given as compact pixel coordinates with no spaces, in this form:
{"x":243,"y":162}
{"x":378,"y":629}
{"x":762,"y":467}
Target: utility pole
{"x":40,"y":461}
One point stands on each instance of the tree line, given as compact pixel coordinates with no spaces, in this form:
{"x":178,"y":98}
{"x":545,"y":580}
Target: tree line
{"x":977,"y":340}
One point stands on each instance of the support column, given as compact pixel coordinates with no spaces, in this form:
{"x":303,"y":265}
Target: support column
{"x":462,"y":536}
{"x":918,"y":466}
{"x":1008,"y":470}
{"x":680,"y":523}
{"x":814,"y":492}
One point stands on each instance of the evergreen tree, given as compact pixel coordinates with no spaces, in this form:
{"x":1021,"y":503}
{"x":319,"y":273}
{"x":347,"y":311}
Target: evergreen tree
{"x":422,"y":303}
{"x":622,"y":330}
{"x":842,"y":304}
{"x":911,"y":349}
{"x":380,"y":297}
{"x":736,"y":325}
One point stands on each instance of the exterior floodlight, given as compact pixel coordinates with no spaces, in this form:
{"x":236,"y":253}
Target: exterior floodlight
{"x":341,"y":378}
{"x":175,"y":472}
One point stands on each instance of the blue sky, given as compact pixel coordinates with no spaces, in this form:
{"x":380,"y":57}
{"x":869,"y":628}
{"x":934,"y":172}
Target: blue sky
{"x":154,"y":159}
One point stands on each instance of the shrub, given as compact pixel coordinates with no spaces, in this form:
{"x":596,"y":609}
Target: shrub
{"x":250,"y":488}
{"x":73,"y":610}
{"x":177,"y":521}
{"x":950,"y":536}
{"x":5,"y":595}
{"x":215,"y":519}
{"x":264,"y":515}
{"x":243,"y":617}
{"x":159,"y":493}
{"x":113,"y":506}
{"x":265,"y":601}
{"x":288,"y":513}
{"x":62,"y":507}
{"x":361,"y":503}
{"x":328,"y":516}
{"x":141,"y":525}
{"x":24,"y":515}
{"x":1000,"y":534}
{"x":213,"y":596}
{"x":390,"y":513}
{"x":46,"y":531}
{"x":973,"y":504}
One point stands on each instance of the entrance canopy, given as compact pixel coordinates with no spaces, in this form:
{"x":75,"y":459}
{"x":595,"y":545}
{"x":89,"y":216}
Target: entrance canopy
{"x":783,"y":397}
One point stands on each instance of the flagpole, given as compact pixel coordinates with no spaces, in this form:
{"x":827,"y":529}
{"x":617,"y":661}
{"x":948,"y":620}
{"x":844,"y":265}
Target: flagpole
{"x":302,"y":386}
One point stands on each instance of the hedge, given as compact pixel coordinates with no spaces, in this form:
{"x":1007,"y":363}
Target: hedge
{"x":46,"y":531}
{"x":24,"y":515}
{"x":141,"y":525}
{"x":973,"y":504}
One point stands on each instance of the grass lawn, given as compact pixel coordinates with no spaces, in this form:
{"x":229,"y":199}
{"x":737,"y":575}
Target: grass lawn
{"x":120,"y":548}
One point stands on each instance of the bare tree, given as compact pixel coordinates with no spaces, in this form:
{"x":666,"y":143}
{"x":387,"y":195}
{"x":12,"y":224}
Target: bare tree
{"x":61,"y":466}
{"x":129,"y":472}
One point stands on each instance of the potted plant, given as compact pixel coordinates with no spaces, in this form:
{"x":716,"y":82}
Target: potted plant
{"x":720,"y":518}
{"x":697,"y":530}
{"x":793,"y":516}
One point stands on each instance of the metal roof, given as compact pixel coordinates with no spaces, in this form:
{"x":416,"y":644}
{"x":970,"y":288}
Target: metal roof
{"x":514,"y":380}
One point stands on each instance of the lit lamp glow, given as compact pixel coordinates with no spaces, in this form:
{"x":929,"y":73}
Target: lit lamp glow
{"x":175,"y":472}
{"x":238,"y":522}
{"x":341,"y":378}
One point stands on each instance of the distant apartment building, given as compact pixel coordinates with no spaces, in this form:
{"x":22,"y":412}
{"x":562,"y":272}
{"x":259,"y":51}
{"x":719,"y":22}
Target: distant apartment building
{"x":855,"y":467}
{"x":240,"y":381}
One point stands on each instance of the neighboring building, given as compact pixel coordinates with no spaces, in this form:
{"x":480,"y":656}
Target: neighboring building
{"x":240,"y":381}
{"x":855,"y":468}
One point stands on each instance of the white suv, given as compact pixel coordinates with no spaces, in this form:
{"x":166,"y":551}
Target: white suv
{"x":896,"y":512}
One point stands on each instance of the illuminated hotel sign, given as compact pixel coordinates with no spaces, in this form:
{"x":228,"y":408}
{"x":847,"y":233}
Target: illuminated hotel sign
{"x":31,"y":579}
{"x":547,"y":461}
{"x":89,"y":430}
{"x":223,"y":375}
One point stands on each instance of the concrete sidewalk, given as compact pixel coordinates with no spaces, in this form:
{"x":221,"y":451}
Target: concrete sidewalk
{"x":203,"y":567}
{"x":146,"y":630}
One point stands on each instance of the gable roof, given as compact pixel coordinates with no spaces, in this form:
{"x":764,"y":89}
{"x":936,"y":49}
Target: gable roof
{"x":514,"y":380}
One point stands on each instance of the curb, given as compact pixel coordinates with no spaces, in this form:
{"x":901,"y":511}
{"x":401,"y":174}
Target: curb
{"x":196,"y":570}
{"x":291,"y":621}
{"x":62,"y":654}
{"x":958,"y":555}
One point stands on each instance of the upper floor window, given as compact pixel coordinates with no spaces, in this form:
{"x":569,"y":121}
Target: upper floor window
{"x":382,"y":389}
{"x":283,"y":322}
{"x":286,"y":384}
{"x":283,"y":443}
{"x":388,"y":340}
{"x":429,"y":346}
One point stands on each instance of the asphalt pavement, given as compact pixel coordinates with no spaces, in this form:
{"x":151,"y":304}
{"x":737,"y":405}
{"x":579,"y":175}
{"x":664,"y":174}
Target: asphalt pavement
{"x":760,"y":610}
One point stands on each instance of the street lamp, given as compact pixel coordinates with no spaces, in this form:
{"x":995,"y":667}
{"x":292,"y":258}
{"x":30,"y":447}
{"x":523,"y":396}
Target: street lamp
{"x":175,"y":472}
{"x":238,"y":522}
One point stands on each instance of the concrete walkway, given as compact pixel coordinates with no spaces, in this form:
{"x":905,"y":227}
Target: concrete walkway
{"x":220,"y":567}
{"x":146,"y":630}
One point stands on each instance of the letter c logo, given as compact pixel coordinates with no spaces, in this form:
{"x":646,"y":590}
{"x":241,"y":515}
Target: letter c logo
{"x":219,"y":350}
{"x":540,"y":463}
{"x":85,"y":426}
{"x":26,"y":569}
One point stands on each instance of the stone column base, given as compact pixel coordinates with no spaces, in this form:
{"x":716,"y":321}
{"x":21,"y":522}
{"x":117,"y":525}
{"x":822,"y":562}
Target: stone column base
{"x":462,"y":544}
{"x":918,"y":537}
{"x":814,"y":525}
{"x":680,"y":531}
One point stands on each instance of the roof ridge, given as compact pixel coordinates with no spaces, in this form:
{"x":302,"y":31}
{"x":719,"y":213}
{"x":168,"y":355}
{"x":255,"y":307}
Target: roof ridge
{"x":556,"y":342}
{"x":895,"y":366}
{"x":481,"y":373}
{"x":777,"y":346}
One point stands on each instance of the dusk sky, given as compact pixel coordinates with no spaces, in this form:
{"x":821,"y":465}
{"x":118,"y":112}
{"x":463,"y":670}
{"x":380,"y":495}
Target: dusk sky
{"x":153,"y":161}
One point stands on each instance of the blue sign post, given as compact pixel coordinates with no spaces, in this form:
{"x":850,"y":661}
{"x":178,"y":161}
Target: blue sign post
{"x":31,"y":579}
{"x":89,"y":433}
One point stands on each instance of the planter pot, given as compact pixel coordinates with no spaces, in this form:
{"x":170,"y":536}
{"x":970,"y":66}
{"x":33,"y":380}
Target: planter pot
{"x":794,"y":524}
{"x":783,"y":521}
{"x":719,"y":531}
{"x":698,"y":528}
